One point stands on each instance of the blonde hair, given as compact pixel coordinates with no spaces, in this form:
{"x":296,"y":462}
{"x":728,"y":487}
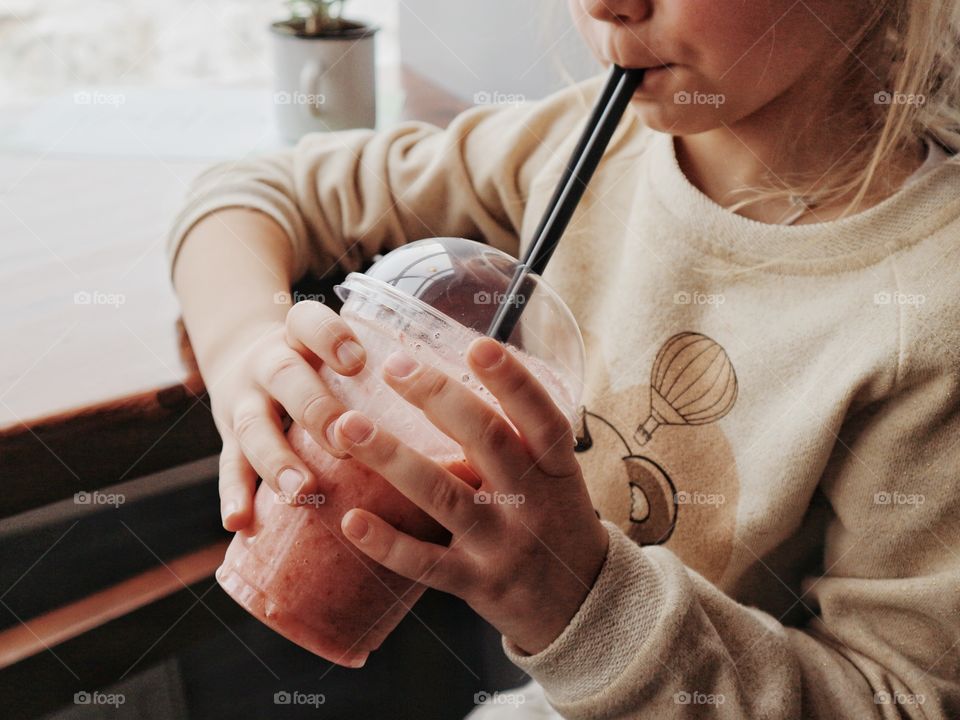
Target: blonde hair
{"x":916,"y":47}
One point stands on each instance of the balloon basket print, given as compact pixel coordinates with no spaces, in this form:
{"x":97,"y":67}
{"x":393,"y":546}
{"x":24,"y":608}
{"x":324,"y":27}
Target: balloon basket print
{"x":692,"y":383}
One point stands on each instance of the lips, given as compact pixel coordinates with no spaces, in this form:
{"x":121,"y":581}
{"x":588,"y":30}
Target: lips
{"x":650,"y":68}
{"x":638,"y":64}
{"x":655,"y":79}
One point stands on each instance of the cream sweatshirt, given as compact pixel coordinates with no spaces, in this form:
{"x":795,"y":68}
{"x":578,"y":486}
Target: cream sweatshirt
{"x":771,"y":422}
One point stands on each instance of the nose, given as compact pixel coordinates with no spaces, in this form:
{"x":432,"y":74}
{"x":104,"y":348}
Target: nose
{"x":621,"y":11}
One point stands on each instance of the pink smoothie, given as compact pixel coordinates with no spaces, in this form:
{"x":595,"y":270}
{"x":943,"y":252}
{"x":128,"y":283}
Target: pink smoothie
{"x":294,"y":570}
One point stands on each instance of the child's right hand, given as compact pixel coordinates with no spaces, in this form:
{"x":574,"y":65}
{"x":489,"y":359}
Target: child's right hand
{"x":259,"y":375}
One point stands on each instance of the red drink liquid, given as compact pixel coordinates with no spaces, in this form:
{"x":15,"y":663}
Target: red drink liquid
{"x":296,"y":572}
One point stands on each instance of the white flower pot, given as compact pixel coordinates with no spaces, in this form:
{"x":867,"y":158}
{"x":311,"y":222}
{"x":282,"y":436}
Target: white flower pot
{"x":323,"y":82}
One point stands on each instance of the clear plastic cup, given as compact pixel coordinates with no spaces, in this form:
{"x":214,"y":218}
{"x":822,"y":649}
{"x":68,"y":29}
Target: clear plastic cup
{"x":292,"y":567}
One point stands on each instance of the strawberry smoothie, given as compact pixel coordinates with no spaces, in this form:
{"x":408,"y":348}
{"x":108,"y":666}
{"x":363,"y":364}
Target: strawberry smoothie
{"x":292,"y":568}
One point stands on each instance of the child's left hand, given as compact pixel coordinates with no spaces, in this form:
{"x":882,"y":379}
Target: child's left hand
{"x":527,"y":545}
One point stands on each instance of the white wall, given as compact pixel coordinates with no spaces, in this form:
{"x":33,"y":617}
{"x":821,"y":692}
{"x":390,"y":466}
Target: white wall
{"x":527,"y":47}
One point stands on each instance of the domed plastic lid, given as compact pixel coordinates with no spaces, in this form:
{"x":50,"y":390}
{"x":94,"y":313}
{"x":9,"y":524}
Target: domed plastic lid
{"x":464,"y":281}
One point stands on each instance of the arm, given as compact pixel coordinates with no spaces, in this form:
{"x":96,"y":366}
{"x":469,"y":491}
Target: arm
{"x":342,"y":197}
{"x":655,"y":639}
{"x":250,"y":228}
{"x":231,"y":279}
{"x":615,"y":630}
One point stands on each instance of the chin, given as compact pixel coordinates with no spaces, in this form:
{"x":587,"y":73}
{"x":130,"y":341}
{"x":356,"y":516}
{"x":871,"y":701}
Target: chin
{"x":668,"y":118}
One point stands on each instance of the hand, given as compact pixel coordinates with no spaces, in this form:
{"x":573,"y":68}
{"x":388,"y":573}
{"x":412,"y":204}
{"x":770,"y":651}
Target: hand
{"x":526,"y":544}
{"x":263,"y":373}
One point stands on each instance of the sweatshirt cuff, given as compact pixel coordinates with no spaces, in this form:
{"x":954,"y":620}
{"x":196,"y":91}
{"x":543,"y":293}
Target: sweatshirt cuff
{"x":606,"y":633}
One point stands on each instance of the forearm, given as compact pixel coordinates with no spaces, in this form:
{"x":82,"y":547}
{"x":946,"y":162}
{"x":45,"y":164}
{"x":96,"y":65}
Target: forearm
{"x":232,"y":277}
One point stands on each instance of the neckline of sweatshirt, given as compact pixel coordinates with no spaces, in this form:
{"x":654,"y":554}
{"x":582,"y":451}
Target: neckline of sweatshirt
{"x":915,"y":212}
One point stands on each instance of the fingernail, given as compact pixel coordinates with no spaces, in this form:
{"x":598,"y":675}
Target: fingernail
{"x":355,"y":526}
{"x":329,"y":433}
{"x":229,"y":510}
{"x":486,"y":353}
{"x":400,"y":364}
{"x":355,"y":427}
{"x":290,"y":481}
{"x":350,"y":354}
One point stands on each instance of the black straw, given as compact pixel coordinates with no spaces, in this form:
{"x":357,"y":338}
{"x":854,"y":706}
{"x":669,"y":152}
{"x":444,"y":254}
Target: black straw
{"x":603,"y":121}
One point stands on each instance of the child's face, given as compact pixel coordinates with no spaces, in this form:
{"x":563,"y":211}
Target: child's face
{"x":727,"y":59}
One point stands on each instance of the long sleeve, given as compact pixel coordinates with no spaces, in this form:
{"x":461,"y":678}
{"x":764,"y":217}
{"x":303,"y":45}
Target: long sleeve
{"x":344,"y":196}
{"x":654,"y":639}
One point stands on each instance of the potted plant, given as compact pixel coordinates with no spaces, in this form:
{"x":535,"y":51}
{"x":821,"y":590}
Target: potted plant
{"x":324,"y":70}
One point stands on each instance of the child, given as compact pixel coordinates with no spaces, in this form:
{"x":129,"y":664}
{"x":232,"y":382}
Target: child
{"x":760,"y":517}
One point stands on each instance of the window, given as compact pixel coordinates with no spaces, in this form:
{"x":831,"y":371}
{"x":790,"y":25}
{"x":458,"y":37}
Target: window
{"x":53,"y":46}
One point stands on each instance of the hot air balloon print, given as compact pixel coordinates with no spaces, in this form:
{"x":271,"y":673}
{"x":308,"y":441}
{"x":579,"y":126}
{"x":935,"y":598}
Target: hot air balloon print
{"x":692,"y":383}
